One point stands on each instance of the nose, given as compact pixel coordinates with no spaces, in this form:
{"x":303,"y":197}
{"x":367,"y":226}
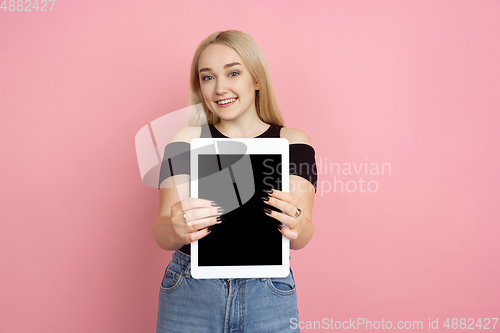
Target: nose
{"x":221,"y":87}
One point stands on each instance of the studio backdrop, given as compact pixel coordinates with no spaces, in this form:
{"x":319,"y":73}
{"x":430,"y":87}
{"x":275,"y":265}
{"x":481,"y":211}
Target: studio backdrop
{"x":401,"y":102}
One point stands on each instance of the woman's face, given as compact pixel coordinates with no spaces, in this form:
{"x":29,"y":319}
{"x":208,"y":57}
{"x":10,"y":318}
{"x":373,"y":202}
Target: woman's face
{"x":223,"y":76}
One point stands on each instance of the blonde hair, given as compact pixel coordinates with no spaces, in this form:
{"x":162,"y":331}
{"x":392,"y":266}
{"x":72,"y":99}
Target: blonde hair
{"x":265,"y":100}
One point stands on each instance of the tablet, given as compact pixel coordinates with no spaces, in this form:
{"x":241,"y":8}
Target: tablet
{"x":233,"y":172}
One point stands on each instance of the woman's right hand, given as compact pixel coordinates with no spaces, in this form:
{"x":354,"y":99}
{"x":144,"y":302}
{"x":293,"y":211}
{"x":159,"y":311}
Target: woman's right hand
{"x":201,"y":214}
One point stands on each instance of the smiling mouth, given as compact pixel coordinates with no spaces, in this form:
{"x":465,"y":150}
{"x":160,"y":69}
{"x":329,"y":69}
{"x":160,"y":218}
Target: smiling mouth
{"x":226,"y":101}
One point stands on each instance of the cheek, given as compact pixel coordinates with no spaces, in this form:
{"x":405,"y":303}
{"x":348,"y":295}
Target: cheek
{"x":251,"y":88}
{"x":206,"y":94}
{"x":203,"y":90}
{"x":250,"y":93}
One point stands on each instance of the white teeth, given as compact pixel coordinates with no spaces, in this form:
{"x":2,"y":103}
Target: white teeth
{"x":227,"y":101}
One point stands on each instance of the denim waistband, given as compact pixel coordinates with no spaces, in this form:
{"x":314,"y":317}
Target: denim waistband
{"x":182,"y":259}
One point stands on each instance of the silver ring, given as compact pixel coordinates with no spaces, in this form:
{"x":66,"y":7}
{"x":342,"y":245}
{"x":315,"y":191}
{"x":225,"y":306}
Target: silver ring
{"x":299,"y":211}
{"x":185,"y":219}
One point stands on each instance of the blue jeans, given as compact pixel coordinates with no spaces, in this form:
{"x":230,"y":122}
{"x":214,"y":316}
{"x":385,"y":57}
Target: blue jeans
{"x":194,"y":305}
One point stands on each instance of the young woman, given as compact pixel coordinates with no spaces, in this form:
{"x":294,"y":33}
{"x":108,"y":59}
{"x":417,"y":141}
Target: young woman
{"x":229,"y":77}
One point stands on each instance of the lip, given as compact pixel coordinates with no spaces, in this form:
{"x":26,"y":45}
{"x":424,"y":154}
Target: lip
{"x":228,"y":104}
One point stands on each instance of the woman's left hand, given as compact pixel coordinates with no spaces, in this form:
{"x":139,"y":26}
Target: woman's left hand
{"x":290,"y":205}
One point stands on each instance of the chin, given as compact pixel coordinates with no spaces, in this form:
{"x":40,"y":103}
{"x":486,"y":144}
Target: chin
{"x":227,"y":115}
{"x":226,"y":118}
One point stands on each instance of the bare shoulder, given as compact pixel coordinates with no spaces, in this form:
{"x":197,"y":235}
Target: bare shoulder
{"x":294,"y":135}
{"x":186,"y":134}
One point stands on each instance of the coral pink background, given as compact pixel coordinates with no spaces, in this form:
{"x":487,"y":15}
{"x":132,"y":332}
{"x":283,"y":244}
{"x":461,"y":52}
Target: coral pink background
{"x":411,"y":83}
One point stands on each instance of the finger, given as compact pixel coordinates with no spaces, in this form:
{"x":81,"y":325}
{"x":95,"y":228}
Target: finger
{"x":289,"y":198}
{"x":192,"y":203}
{"x":287,"y":220}
{"x":285,"y":207}
{"x":203,"y":223}
{"x":201,"y":213}
{"x":288,"y":233}
{"x":196,"y":235}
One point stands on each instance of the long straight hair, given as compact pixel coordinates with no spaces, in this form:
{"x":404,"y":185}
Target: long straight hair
{"x":265,"y":100}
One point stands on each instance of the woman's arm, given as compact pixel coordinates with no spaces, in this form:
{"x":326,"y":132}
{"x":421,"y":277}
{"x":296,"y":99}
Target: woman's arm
{"x":301,"y":195}
{"x":172,"y":190}
{"x":304,"y":190}
{"x":299,"y":229}
{"x":172,"y":232}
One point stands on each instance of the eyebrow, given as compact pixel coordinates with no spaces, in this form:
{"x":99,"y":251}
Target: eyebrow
{"x":225,"y":66}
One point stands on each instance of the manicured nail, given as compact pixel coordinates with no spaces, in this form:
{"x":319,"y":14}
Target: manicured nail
{"x":220,"y":210}
{"x":210,"y":228}
{"x":280,"y":226}
{"x":220,"y":219}
{"x":268,"y":191}
{"x":213,"y":203}
{"x":266,"y":198}
{"x":267,"y":210}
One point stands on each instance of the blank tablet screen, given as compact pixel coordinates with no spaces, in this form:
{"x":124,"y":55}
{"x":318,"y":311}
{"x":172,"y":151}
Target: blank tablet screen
{"x":247,"y":236}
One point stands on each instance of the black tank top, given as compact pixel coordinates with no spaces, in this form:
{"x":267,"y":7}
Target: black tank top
{"x":176,"y":158}
{"x":209,"y":131}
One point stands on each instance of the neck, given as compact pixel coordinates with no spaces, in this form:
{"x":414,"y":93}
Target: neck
{"x":245,"y":126}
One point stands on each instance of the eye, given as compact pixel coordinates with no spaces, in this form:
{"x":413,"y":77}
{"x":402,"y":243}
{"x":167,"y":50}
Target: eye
{"x":204,"y":78}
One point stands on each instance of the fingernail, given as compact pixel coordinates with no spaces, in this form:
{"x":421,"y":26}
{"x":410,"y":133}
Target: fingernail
{"x":267,"y":210}
{"x":268,"y":191}
{"x":220,"y":218}
{"x":266,"y":198}
{"x":280,"y":226}
{"x":213,"y":203}
{"x":220,"y":210}
{"x":210,"y":228}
